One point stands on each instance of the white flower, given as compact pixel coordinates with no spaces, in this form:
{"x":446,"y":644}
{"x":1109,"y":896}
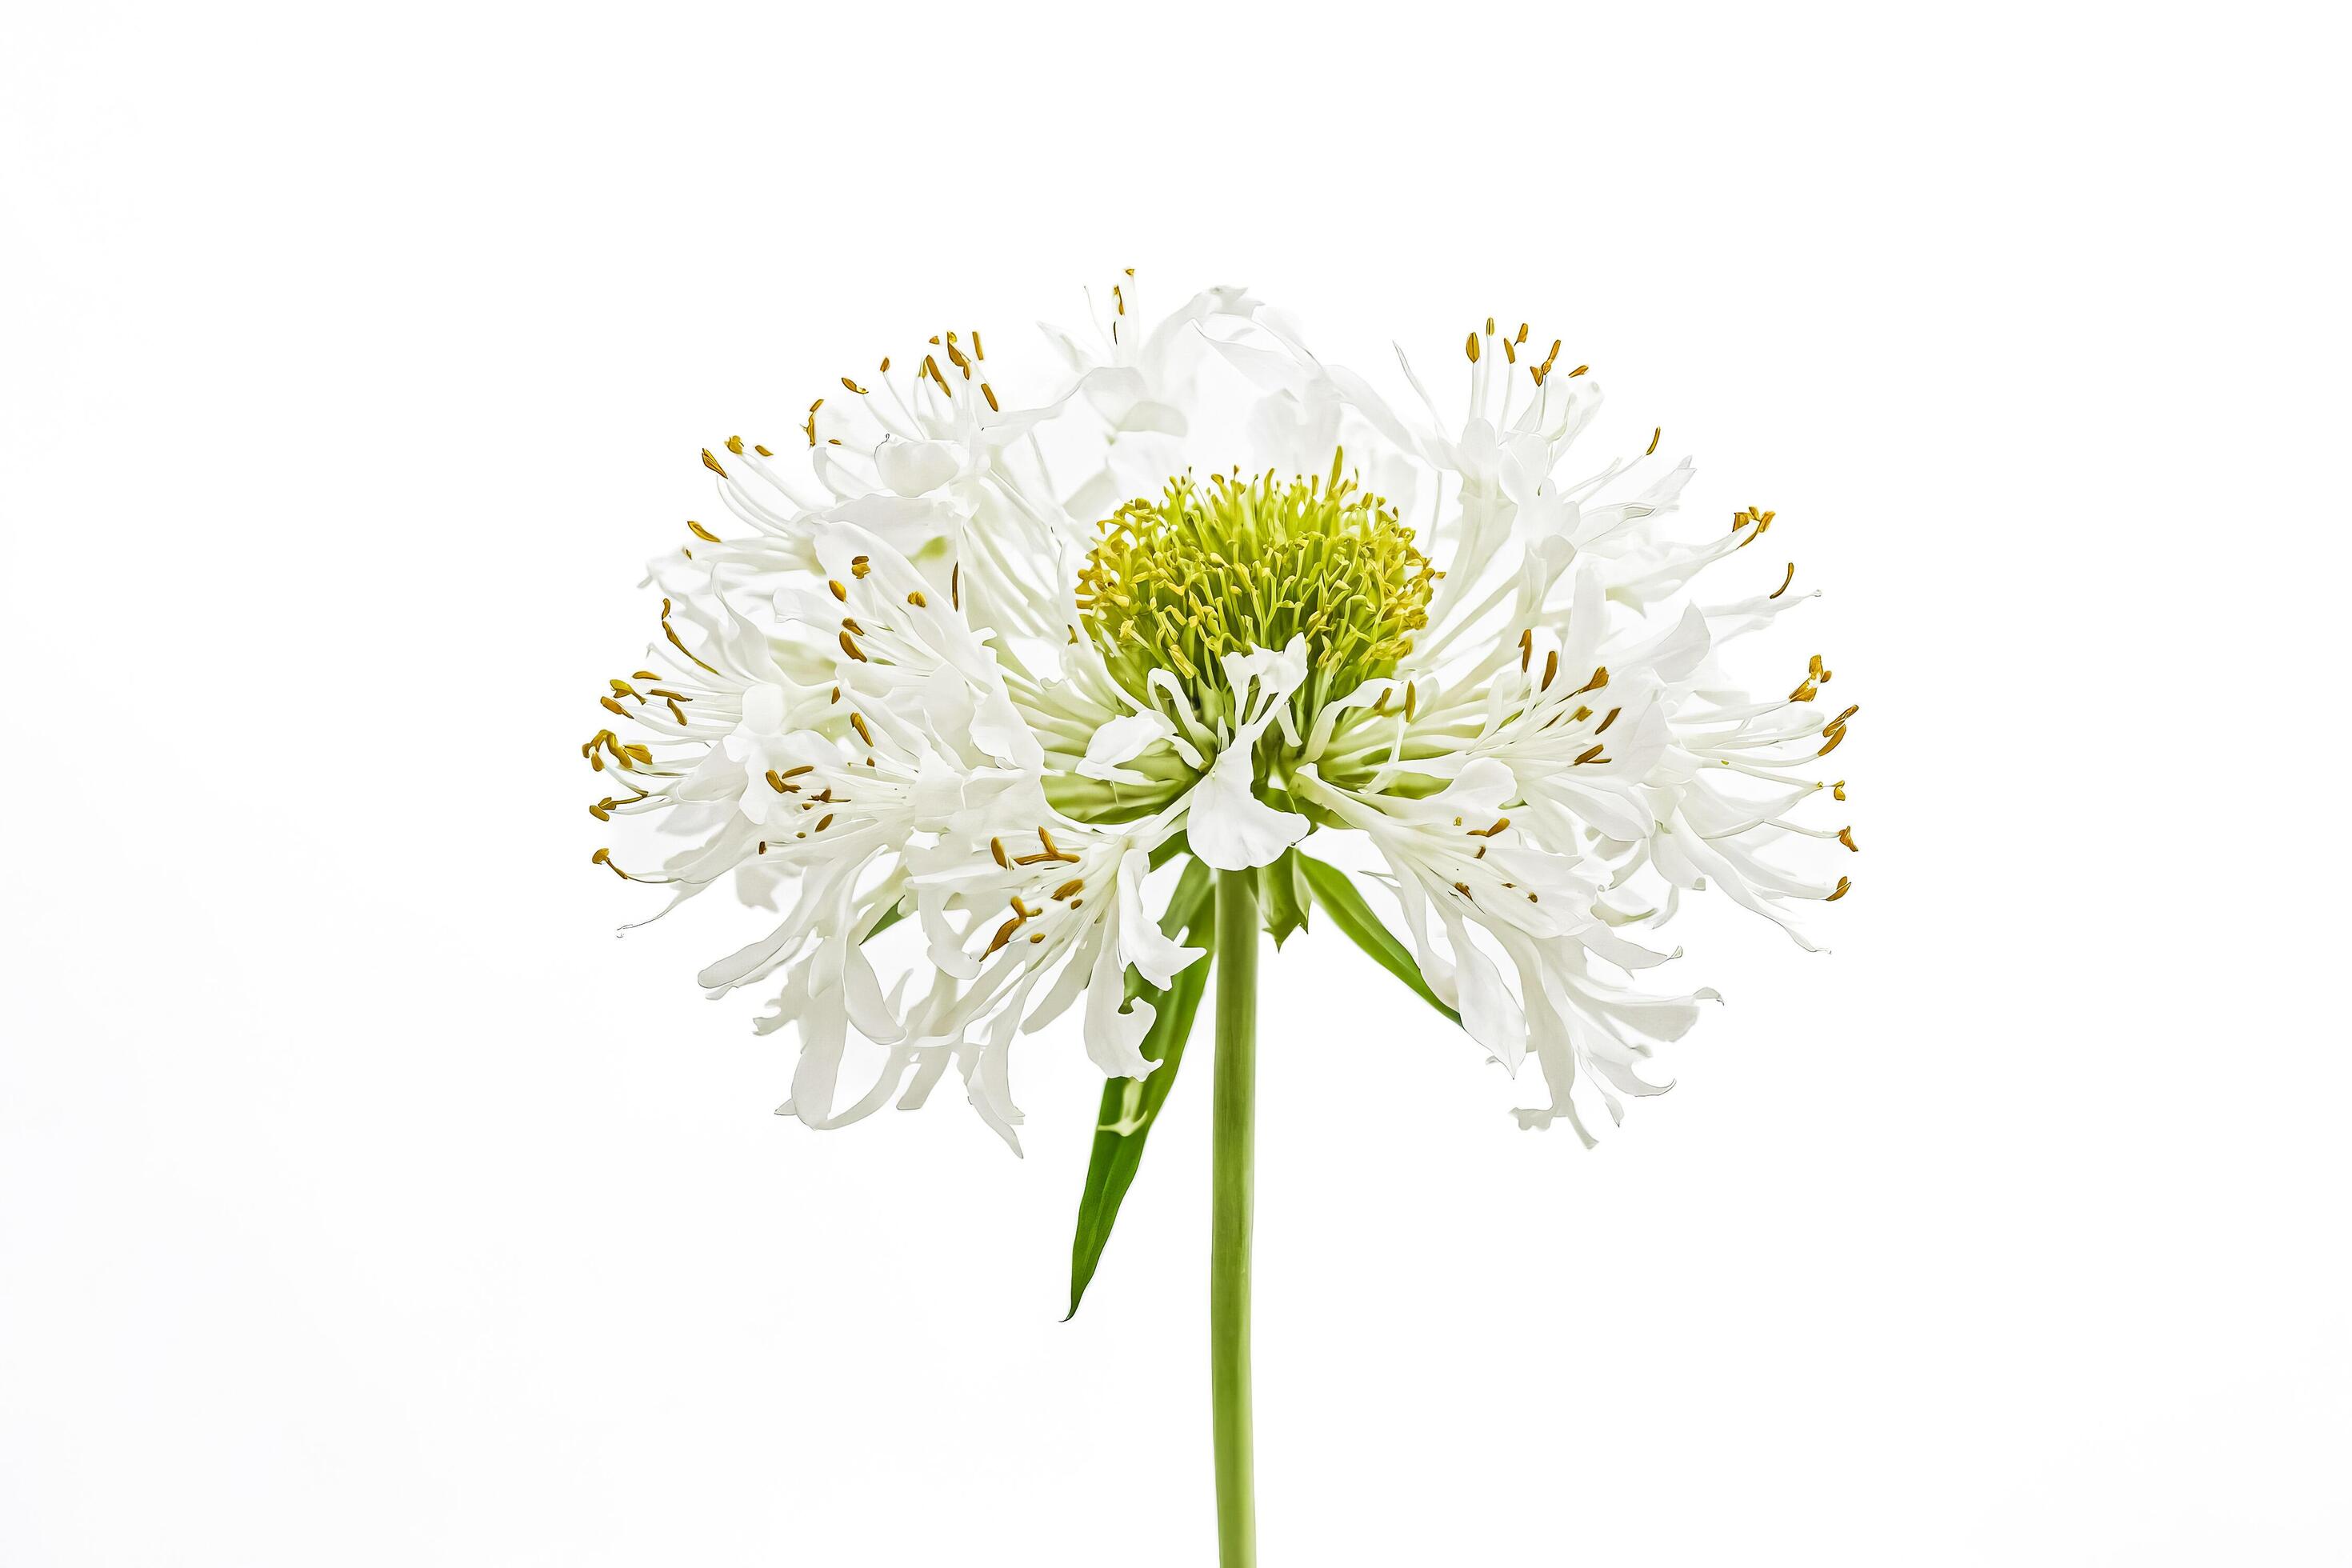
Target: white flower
{"x":990,"y":661}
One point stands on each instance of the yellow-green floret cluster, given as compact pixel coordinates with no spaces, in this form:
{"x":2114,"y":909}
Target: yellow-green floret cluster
{"x":1236,"y":564}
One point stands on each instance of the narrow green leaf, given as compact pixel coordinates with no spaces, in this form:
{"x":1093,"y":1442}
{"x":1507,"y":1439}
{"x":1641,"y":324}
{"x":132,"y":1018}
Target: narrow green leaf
{"x":1282,"y":894}
{"x":898,"y":912}
{"x":1348,"y":912}
{"x":1129,"y":1106}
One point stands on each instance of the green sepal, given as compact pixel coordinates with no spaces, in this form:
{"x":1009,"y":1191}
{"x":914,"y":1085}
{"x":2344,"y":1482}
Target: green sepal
{"x":1129,"y":1106}
{"x":1282,"y":895}
{"x":1348,"y":912}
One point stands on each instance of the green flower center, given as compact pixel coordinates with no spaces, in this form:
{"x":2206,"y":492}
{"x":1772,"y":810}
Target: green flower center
{"x":1205,"y":570}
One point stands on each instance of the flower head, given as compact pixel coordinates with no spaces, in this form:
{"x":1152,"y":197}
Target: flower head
{"x":947,"y":704}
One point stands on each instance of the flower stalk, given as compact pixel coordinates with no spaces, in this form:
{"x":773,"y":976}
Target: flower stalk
{"x":1235,"y":1145}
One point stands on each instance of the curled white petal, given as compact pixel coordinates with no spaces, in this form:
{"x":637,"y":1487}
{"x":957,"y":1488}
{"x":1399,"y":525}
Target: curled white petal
{"x":1232,"y":829}
{"x":1123,"y":740}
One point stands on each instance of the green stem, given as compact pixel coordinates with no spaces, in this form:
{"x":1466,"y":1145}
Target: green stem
{"x":1235,"y":1142}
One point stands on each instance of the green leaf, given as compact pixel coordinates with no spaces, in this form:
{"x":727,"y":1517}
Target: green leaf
{"x":1175,"y":844}
{"x":1129,"y":1106}
{"x":898,"y":912}
{"x":1348,"y":912}
{"x":1282,"y":894}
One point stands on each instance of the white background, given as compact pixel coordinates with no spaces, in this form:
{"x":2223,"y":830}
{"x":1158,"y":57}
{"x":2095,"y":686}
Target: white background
{"x":363,"y":1200}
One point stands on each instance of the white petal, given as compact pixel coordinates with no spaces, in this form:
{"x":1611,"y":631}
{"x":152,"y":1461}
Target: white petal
{"x":1232,"y":829}
{"x":1113,"y":1034}
{"x":1123,"y":740}
{"x":911,"y":467}
{"x":1489,"y":1011}
{"x":1155,"y":955}
{"x":764,"y":709}
{"x":999,"y":731}
{"x":1278,"y":674}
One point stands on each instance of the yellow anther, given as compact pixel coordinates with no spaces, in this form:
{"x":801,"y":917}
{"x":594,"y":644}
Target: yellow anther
{"x":712,"y":463}
{"x":671,"y":632}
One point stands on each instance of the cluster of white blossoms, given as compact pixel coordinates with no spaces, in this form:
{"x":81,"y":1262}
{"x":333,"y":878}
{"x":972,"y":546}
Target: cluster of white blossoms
{"x":987,"y":666}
